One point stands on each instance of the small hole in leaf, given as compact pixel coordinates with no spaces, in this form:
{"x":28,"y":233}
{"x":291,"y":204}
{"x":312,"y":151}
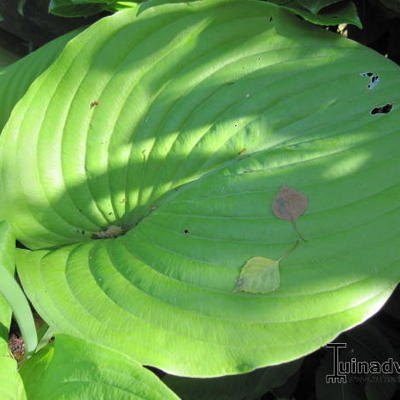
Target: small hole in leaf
{"x":186,"y":231}
{"x":382,"y":110}
{"x":270,"y":19}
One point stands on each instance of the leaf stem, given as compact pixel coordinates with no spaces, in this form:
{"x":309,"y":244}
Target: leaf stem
{"x":15,"y":297}
{"x":297,"y":231}
{"x":290,"y":250}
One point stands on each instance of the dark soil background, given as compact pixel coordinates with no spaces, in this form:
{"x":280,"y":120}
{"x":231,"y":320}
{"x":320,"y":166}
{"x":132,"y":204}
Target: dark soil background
{"x":26,"y":25}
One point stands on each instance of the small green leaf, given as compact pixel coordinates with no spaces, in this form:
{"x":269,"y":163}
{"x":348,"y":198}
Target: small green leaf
{"x":71,"y":9}
{"x":21,"y":7}
{"x":314,"y":6}
{"x":86,"y":8}
{"x":317,"y":12}
{"x":259,"y":275}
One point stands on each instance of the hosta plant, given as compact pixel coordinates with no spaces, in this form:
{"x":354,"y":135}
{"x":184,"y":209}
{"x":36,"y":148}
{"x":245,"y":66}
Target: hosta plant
{"x":207,"y":187}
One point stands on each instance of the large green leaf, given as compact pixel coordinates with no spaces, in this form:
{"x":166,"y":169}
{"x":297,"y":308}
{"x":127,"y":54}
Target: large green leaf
{"x":180,"y":125}
{"x":77,"y":370}
{"x":15,"y":79}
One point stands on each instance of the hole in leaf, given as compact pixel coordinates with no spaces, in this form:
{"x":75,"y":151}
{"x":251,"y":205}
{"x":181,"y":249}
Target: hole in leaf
{"x":373,"y":79}
{"x":186,"y":232}
{"x":382,"y":110}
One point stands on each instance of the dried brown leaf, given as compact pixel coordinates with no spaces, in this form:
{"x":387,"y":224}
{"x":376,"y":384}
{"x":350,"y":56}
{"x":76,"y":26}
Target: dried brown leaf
{"x":289,"y":204}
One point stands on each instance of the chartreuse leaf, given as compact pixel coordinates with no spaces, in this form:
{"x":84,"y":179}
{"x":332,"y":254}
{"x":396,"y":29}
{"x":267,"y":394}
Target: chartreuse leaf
{"x":16,"y":79}
{"x":11,"y":387}
{"x":259,"y":275}
{"x":12,"y":292}
{"x":74,"y":369}
{"x":7,"y":262}
{"x":141,"y":123}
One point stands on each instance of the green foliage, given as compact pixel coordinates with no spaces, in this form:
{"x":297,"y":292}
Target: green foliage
{"x":77,"y":370}
{"x":11,"y":387}
{"x":146,"y":163}
{"x":323,"y":12}
{"x":16,"y":79}
{"x":179,"y":125}
{"x":85,"y":8}
{"x":12,"y":292}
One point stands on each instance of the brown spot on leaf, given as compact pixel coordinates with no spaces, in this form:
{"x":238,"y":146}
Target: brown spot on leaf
{"x":243,"y":151}
{"x":112,"y":231}
{"x":94,"y":104}
{"x":289,"y":204}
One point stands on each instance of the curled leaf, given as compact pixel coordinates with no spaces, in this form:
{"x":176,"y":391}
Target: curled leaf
{"x":259,"y":275}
